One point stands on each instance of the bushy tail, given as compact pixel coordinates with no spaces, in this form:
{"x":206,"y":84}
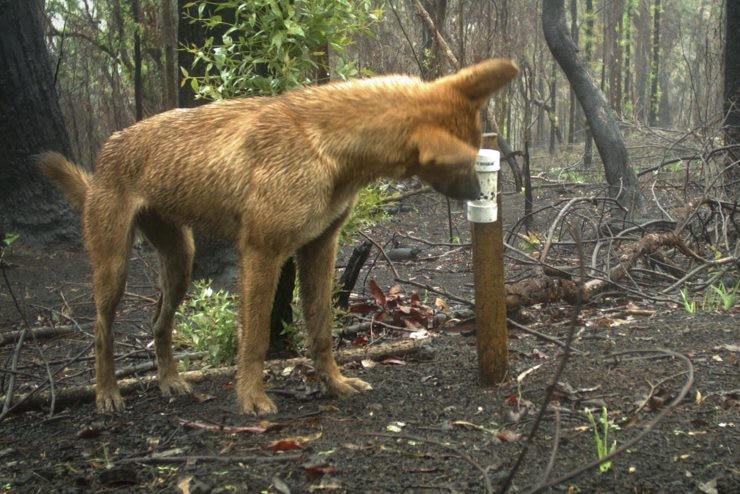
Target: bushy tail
{"x":70,"y":178}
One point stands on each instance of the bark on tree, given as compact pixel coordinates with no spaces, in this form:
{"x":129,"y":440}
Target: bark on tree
{"x":620,"y":177}
{"x":552,"y":113}
{"x":169,"y":42}
{"x":655,"y":66}
{"x":588,"y":54}
{"x":138,"y":81}
{"x":433,"y":14}
{"x":31,"y":122}
{"x":627,"y":86}
{"x":572,"y":109}
{"x":732,"y":90}
{"x":615,"y":75}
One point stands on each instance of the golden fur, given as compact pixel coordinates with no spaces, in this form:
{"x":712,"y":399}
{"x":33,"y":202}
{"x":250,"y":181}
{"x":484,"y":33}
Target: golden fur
{"x":278,"y":176}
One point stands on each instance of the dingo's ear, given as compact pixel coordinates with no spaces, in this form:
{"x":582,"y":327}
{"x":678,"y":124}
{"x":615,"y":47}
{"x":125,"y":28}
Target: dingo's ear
{"x":480,"y":81}
{"x":438,"y":147}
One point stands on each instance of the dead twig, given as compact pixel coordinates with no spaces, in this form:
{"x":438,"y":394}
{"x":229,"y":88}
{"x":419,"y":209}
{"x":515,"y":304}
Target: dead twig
{"x":210,"y":459}
{"x":648,"y":428}
{"x":438,"y":35}
{"x":555,"y":444}
{"x":9,"y":394}
{"x":558,"y":372}
{"x":544,"y":337}
{"x":462,"y":454}
{"x":13,"y":368}
{"x":653,"y":387}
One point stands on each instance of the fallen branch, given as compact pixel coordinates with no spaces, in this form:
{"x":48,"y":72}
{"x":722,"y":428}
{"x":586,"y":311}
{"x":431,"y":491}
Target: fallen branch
{"x":160,"y":460}
{"x":86,"y":394}
{"x":38,"y":333}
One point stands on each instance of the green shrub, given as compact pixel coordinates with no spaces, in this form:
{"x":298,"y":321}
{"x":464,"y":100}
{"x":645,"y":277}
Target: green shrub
{"x":208,"y":322}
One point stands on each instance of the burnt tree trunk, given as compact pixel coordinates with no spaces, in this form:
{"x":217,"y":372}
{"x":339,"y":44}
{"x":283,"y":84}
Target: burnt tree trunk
{"x":169,"y":42}
{"x":620,"y":177}
{"x":627,"y":86}
{"x":431,"y":49}
{"x":138,"y":80}
{"x":588,"y":54}
{"x":31,"y":122}
{"x":732,"y":93}
{"x":573,"y":105}
{"x":655,"y":66}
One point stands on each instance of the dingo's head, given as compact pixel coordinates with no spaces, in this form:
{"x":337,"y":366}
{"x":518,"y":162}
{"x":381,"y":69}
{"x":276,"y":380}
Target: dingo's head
{"x":447,"y":133}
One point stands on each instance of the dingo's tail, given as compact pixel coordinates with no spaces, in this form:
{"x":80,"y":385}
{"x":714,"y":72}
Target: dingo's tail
{"x":70,"y":178}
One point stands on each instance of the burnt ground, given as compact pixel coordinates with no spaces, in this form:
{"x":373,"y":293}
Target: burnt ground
{"x":426,"y":427}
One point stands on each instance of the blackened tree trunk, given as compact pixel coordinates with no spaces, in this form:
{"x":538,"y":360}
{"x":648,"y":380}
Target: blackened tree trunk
{"x":431,"y":49}
{"x":169,"y":42}
{"x":30,"y":122}
{"x":572,"y":109}
{"x":615,"y":73}
{"x":138,"y":80}
{"x":732,"y":91}
{"x":553,"y":111}
{"x":588,"y":53}
{"x":655,"y":66}
{"x":620,"y":177}
{"x":627,"y":86}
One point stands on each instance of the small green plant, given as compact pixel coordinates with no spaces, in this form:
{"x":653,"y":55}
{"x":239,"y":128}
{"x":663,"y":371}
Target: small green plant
{"x":7,"y":246}
{"x":10,"y":239}
{"x":531,"y":242}
{"x":715,"y":298}
{"x":689,"y":305}
{"x":208,"y":323}
{"x":727,"y":297}
{"x":601,"y":428}
{"x":369,"y":209}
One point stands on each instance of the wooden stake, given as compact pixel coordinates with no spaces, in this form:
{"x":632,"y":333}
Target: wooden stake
{"x":490,"y":300}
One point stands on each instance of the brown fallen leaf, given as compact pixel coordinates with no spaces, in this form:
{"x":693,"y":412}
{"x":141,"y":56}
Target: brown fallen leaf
{"x":284,"y":445}
{"x":507,"y":436}
{"x":291,"y":443}
{"x":201,"y":397}
{"x":183,"y":484}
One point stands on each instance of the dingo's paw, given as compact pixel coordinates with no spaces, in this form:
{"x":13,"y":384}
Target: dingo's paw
{"x":257,"y":403}
{"x":345,"y":386}
{"x":108,"y":401}
{"x":174,"y":385}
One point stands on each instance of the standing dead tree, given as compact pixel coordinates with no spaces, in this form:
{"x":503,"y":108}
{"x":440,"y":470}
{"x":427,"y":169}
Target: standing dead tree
{"x":621,"y":178}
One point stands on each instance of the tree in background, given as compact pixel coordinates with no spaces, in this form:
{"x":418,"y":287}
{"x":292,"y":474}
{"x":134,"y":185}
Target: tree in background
{"x":655,"y":66}
{"x":588,"y":57}
{"x":628,"y":40}
{"x":620,"y":177}
{"x":31,"y":123}
{"x":732,"y":91}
